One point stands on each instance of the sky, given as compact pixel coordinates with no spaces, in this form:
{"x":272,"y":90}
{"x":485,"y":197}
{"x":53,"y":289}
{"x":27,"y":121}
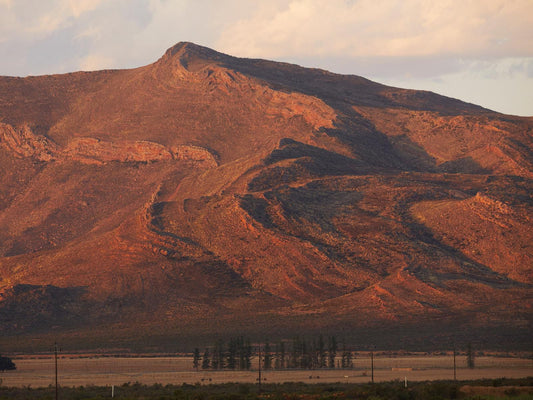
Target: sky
{"x":480,"y":51}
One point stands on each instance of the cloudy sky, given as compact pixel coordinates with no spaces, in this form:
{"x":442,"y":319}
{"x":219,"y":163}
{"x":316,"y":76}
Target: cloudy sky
{"x":480,"y":51}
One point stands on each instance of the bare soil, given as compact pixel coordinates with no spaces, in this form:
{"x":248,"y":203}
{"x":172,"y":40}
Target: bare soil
{"x":102,"y":371}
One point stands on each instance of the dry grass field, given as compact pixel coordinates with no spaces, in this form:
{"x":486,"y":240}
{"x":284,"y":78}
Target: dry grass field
{"x":102,"y":371}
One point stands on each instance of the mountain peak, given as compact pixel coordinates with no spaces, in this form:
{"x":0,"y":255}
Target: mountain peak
{"x":188,"y":50}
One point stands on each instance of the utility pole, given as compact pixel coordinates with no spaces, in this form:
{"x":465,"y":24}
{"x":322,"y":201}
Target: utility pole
{"x":372,"y":364}
{"x":55,"y":357}
{"x":454,"y":364}
{"x":259,"y":378}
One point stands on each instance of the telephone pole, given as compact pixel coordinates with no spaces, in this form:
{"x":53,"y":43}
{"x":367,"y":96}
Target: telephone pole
{"x":55,"y":357}
{"x":372,"y":364}
{"x":259,"y":370}
{"x":454,"y":365}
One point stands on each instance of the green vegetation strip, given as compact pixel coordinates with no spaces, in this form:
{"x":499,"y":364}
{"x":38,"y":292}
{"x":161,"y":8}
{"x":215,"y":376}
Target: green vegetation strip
{"x":516,"y":389}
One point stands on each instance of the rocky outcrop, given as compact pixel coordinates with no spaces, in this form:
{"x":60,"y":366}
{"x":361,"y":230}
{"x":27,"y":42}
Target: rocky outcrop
{"x":194,"y":154}
{"x":95,"y":150}
{"x":24,"y":143}
{"x":91,"y":150}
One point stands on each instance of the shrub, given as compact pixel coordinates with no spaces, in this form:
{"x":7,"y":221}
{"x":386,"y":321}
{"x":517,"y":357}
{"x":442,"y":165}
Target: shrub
{"x":6,"y":364}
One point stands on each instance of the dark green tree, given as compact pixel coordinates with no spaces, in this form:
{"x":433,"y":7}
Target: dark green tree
{"x":241,"y":353}
{"x":321,"y":352}
{"x":349,"y":359}
{"x":314,"y":355}
{"x":470,"y":356}
{"x":247,"y":350}
{"x":282,"y":362}
{"x":196,"y":358}
{"x":232,"y":353}
{"x":294,"y":358}
{"x":276,"y":357}
{"x":218,"y":357}
{"x":206,"y":362}
{"x":305,"y":355}
{"x":239,"y":358}
{"x":267,"y":356}
{"x":346,"y":360}
{"x":332,"y":351}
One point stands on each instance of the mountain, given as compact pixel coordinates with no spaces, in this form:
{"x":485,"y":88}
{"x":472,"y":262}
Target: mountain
{"x":207,"y":195}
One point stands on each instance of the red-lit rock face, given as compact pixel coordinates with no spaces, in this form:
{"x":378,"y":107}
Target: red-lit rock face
{"x":206,"y":185}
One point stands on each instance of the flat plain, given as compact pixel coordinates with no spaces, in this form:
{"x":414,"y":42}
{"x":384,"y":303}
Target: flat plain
{"x":107,"y":371}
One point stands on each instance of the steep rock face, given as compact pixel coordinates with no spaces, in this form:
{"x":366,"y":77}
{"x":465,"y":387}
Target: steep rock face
{"x":208,"y":185}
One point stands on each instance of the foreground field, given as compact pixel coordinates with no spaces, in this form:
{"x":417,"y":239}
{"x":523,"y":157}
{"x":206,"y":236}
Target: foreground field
{"x":108,"y":371}
{"x":501,"y":389}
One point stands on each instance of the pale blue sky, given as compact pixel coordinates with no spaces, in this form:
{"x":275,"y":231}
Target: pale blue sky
{"x":480,"y":51}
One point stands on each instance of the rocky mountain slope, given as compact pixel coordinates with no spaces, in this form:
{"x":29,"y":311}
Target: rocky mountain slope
{"x":210,"y":191}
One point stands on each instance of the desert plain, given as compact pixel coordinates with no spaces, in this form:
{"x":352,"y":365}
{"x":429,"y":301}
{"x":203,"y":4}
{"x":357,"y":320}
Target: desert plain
{"x":74,"y":370}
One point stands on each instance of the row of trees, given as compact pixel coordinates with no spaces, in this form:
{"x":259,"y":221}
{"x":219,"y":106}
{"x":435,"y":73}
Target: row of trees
{"x":236,"y":355}
{"x":298,"y":353}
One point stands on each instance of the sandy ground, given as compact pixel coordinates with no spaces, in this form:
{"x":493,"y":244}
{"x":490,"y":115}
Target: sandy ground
{"x":102,"y":371}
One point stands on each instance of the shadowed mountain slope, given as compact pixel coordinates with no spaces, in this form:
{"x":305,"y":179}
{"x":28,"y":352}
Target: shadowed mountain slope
{"x":208,"y":187}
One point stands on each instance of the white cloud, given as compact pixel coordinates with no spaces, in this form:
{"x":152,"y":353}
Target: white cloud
{"x":91,"y":32}
{"x":384,"y":28}
{"x":79,"y":7}
{"x":35,"y":20}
